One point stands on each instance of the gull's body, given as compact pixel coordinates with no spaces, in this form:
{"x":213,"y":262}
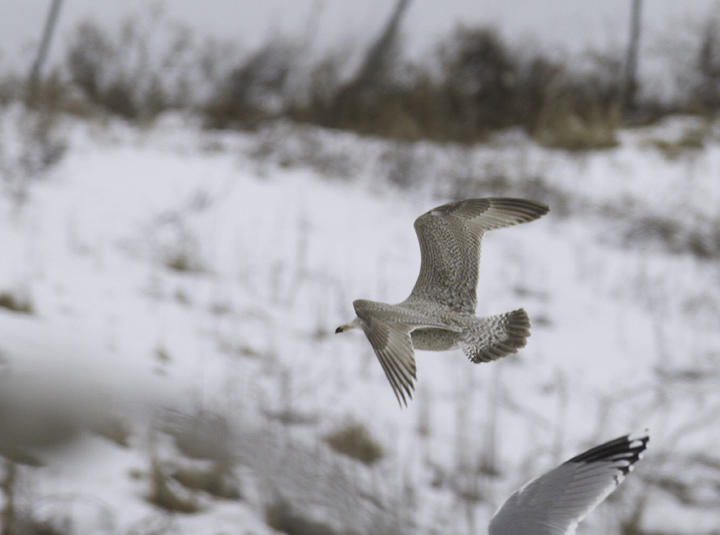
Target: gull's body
{"x":555,"y":502}
{"x":439,"y":314}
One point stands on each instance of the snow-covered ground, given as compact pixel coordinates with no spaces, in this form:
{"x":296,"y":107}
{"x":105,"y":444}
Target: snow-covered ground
{"x":180,"y":277}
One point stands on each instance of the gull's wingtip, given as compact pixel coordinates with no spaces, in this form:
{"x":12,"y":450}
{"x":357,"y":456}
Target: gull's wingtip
{"x":639,"y":440}
{"x":640,"y":434}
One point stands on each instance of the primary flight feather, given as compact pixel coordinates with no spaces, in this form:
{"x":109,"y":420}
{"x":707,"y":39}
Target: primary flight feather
{"x":555,"y":502}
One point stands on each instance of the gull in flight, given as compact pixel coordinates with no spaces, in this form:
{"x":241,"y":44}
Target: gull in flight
{"x":439,"y":314}
{"x":557,"y":501}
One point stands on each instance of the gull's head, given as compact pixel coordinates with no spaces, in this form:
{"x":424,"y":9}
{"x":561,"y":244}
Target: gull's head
{"x":353,"y":324}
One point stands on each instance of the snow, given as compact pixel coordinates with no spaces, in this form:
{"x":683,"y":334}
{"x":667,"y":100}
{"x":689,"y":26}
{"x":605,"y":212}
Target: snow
{"x":275,"y":247}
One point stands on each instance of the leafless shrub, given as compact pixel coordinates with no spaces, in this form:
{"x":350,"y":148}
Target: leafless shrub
{"x":375,"y":99}
{"x":134,"y":73}
{"x":355,"y":441}
{"x":52,"y":95}
{"x":11,"y":88}
{"x":256,"y":90}
{"x":478,"y":83}
{"x":581,"y":106}
{"x":475,"y":85}
{"x":692,"y":58}
{"x":33,"y":147}
{"x":705,"y":92}
{"x":483,"y":86}
{"x":314,"y":103}
{"x":91,"y":57}
{"x":389,"y":107}
{"x":560,"y":127}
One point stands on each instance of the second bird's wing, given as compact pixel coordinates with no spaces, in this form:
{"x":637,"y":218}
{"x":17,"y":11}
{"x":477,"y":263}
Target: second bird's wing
{"x":555,"y":502}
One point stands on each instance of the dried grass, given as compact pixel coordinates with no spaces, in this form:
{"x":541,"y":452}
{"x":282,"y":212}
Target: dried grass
{"x":281,"y":516}
{"x":355,"y":441}
{"x":16,"y":303}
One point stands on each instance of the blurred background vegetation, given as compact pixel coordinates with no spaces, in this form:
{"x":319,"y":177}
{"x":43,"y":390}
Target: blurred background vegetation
{"x":473,"y":85}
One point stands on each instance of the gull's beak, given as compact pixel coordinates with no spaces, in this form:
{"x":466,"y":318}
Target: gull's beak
{"x":353,"y":324}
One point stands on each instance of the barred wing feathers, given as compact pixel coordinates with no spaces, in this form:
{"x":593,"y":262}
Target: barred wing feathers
{"x":449,"y":238}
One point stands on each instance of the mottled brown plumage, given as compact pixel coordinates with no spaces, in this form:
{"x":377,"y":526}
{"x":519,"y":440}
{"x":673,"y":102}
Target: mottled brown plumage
{"x":439,"y":314}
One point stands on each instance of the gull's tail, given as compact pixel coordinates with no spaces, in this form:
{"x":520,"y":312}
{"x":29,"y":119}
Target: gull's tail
{"x":494,"y":337}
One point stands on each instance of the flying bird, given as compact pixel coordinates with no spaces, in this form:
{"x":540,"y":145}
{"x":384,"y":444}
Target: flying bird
{"x":439,"y":314}
{"x":557,"y":501}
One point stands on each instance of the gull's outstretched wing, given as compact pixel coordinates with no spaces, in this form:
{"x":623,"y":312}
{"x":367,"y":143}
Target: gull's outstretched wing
{"x":555,"y":502}
{"x":388,"y":328}
{"x":449,"y":237}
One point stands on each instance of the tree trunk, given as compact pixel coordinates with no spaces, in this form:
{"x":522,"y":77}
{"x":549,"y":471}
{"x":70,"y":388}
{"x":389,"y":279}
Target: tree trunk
{"x":631,"y":59}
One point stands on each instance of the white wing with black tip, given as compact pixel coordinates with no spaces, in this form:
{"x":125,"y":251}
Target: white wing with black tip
{"x":555,"y":502}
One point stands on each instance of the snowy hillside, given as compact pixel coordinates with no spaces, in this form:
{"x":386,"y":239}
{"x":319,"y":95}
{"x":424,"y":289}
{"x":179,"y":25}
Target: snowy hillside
{"x":183,"y":287}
